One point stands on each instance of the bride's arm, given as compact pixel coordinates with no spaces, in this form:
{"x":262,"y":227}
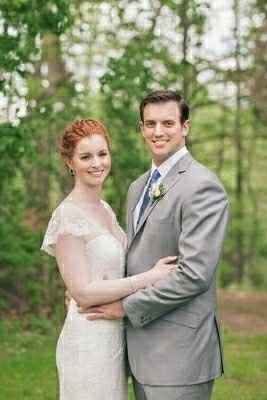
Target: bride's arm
{"x":75,"y":271}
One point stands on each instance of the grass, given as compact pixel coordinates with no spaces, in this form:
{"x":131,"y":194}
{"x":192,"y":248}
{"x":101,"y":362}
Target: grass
{"x":246,"y":368}
{"x":27,"y":363}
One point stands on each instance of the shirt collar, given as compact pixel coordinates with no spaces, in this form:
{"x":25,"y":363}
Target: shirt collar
{"x":166,"y":166}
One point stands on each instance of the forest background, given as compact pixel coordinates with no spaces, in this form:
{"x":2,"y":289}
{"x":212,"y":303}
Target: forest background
{"x":62,"y":60}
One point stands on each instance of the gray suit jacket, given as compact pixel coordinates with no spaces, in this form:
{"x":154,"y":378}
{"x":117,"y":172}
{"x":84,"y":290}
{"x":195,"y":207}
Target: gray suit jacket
{"x":172,"y":330}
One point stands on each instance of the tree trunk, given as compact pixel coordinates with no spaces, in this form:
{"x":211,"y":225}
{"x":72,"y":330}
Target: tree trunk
{"x":239,"y":187}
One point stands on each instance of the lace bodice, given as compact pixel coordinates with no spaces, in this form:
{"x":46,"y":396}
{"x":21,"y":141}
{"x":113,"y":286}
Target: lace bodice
{"x":104,"y":249}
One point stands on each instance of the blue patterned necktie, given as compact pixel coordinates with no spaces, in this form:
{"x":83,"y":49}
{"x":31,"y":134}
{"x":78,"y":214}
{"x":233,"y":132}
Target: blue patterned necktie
{"x":155,"y":176}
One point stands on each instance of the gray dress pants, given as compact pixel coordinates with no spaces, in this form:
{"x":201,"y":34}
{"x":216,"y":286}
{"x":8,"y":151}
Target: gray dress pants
{"x":201,"y":391}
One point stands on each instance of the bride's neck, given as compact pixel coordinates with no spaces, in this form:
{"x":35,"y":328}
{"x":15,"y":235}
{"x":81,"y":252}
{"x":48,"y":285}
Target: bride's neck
{"x":86,"y":194}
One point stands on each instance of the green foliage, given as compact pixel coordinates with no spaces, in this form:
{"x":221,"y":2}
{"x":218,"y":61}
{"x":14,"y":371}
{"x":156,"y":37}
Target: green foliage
{"x":137,"y":58}
{"x":23,"y":217}
{"x":13,"y":145}
{"x":24,"y":25}
{"x":257,"y":44}
{"x":23,"y":22}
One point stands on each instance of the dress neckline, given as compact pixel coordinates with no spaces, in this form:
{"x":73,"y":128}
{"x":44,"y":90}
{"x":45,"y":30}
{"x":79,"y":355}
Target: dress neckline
{"x":83,"y":211}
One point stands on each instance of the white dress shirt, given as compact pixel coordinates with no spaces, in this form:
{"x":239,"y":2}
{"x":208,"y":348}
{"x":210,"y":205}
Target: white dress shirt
{"x":163,"y":169}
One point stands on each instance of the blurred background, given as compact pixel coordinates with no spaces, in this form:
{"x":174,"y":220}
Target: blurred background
{"x":67,"y":59}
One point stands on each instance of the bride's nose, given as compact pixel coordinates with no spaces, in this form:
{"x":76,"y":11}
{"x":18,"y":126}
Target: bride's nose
{"x":95,"y":162}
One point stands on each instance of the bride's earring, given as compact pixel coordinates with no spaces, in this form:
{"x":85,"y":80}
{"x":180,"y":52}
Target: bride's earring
{"x":71,"y":172}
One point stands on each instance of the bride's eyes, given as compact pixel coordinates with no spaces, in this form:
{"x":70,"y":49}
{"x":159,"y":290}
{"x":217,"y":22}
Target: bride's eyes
{"x":88,"y":156}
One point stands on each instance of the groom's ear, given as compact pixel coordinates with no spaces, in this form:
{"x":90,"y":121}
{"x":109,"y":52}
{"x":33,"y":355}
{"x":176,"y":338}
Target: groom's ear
{"x":139,"y":126}
{"x":186,"y":126}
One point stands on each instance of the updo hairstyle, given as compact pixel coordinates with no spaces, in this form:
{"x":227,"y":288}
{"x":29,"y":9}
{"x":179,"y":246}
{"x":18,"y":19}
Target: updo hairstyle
{"x":78,"y":130}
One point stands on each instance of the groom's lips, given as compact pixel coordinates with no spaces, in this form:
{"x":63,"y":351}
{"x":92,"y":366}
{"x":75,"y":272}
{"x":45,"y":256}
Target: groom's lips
{"x":159,"y":143}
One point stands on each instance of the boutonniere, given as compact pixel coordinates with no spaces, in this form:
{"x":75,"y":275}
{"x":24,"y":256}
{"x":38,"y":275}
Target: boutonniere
{"x":157,"y":191}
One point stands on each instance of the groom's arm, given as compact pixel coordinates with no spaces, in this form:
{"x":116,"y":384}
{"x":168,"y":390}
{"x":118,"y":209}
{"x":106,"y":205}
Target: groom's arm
{"x":204,"y":220}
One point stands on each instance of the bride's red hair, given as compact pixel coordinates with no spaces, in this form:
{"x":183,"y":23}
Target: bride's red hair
{"x":78,"y":130}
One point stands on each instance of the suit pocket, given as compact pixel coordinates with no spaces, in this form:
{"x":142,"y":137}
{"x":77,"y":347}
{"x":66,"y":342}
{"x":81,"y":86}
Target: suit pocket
{"x":188,"y":319}
{"x":159,"y":219}
{"x":159,"y":227}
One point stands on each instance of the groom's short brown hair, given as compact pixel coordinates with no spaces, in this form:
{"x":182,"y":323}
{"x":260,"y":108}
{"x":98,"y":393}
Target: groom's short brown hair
{"x":163,"y":96}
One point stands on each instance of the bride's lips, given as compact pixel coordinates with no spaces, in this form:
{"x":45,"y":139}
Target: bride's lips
{"x":96,"y":173}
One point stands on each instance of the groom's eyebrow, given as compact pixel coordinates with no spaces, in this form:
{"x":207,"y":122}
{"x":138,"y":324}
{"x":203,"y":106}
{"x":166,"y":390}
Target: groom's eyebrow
{"x":85,"y":153}
{"x":149,"y":121}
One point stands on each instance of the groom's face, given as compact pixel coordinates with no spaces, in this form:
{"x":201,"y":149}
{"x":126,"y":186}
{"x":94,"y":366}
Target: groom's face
{"x":162,"y":130}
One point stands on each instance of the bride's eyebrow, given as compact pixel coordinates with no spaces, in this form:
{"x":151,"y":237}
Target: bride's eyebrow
{"x":87,"y":153}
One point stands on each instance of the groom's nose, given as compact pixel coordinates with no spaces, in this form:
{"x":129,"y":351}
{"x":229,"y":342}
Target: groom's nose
{"x":158,"y":129}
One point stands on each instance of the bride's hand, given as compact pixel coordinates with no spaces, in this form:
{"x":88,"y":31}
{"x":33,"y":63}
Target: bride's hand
{"x":163,"y":267}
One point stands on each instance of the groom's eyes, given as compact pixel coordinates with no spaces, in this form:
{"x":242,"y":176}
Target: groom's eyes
{"x":150,"y":124}
{"x":168,"y":123}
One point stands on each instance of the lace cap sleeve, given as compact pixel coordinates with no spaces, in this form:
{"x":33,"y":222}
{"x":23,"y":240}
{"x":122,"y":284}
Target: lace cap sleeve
{"x":65,"y":220}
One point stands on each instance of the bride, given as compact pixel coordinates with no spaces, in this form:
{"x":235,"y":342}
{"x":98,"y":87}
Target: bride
{"x":89,"y":245}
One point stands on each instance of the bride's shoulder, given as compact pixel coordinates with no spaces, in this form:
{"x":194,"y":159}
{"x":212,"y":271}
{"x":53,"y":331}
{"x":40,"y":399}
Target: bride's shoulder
{"x":66,"y":205}
{"x":109,"y":208}
{"x":67,"y":217}
{"x":65,"y":210}
{"x":114,"y":217}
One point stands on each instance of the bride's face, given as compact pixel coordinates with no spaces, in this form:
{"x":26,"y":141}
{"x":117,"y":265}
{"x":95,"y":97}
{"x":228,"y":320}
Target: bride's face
{"x":91,"y":161}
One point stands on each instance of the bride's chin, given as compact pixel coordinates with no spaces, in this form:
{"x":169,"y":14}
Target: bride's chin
{"x":94,"y":184}
{"x":93,"y":178}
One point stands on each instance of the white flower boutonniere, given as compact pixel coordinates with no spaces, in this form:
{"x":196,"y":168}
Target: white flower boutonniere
{"x":157,"y":191}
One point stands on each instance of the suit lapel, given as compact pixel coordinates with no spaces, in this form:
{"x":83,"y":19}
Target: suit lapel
{"x":168,"y":182}
{"x":138,"y":190}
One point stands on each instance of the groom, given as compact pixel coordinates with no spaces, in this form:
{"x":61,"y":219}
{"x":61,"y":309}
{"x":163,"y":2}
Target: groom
{"x":180,"y":208}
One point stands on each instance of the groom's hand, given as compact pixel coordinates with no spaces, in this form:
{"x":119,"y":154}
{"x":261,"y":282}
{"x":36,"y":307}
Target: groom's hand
{"x":106,"y":311}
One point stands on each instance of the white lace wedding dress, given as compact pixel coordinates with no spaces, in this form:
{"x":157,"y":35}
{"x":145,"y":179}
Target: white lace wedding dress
{"x":90,"y":355}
